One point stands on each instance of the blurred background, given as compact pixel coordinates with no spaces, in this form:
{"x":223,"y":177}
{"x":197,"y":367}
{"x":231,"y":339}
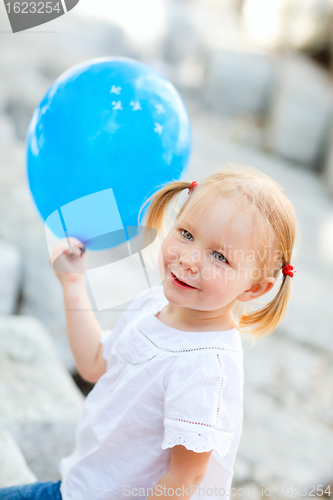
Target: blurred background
{"x":257,"y":79}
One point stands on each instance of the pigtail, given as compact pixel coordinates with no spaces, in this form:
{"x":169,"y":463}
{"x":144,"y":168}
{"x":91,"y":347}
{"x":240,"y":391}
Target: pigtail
{"x":262,"y":322}
{"x":154,"y":218}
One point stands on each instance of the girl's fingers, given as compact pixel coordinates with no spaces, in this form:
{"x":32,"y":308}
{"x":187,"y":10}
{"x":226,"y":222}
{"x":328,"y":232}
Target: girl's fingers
{"x":77,"y":251}
{"x":74,"y":251}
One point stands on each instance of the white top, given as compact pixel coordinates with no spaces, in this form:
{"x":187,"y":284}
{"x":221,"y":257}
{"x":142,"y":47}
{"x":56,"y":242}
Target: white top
{"x":162,"y":387}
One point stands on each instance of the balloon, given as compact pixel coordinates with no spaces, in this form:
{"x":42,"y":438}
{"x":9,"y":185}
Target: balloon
{"x":107,"y":134}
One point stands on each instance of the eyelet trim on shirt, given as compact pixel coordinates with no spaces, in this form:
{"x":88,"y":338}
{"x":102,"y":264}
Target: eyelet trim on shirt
{"x":189,"y":422}
{"x":219,"y":398}
{"x":205,"y":443}
{"x":145,"y":361}
{"x":183,"y":350}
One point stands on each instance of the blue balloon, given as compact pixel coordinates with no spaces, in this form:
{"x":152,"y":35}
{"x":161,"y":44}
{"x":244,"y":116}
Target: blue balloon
{"x":107,"y":134}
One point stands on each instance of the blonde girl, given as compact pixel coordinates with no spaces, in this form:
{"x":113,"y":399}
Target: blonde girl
{"x":165,"y":416}
{"x":272,"y":220}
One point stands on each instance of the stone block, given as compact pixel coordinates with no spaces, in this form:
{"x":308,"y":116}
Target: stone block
{"x":10,"y":276}
{"x":13,"y":467}
{"x":301,"y":113}
{"x":183,"y":38}
{"x":327,"y":175}
{"x":40,"y":403}
{"x":239,"y":82}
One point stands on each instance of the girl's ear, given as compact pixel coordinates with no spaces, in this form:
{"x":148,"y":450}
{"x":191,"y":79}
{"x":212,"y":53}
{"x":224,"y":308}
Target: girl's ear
{"x":257,"y":290}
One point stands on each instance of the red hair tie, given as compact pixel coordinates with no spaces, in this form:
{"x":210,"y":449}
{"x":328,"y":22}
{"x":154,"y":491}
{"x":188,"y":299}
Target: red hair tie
{"x":288,"y":269}
{"x":193,"y":185}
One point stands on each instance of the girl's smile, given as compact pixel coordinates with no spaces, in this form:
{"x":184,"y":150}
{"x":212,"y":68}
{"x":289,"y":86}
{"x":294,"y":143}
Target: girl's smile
{"x":179,"y":283}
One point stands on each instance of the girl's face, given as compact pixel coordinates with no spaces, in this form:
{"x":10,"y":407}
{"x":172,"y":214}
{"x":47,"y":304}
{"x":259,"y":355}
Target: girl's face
{"x":217,"y":273}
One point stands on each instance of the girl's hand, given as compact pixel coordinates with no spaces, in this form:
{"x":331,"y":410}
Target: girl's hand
{"x":69,"y":264}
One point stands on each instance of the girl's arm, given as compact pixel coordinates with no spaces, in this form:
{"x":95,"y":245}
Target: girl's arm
{"x":187,"y":470}
{"x":84,"y":331}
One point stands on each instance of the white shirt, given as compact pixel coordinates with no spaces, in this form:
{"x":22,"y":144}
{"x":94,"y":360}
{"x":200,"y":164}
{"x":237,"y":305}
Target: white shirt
{"x":162,"y":387}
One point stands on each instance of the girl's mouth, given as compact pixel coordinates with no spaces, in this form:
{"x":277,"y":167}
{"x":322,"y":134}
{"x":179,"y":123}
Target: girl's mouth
{"x":179,"y":283}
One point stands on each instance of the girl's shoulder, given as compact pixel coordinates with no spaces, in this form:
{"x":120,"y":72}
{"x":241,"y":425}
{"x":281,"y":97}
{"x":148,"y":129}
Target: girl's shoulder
{"x":147,"y":298}
{"x":211,"y":363}
{"x":206,"y":373}
{"x":145,"y":301}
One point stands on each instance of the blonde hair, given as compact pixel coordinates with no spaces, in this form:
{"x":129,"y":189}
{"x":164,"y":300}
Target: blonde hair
{"x":273,"y":213}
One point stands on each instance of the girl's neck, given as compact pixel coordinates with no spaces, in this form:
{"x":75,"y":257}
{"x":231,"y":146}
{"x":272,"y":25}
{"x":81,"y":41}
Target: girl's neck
{"x":191,"y":320}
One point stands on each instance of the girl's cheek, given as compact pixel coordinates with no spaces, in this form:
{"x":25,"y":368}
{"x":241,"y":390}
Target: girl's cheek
{"x":170,"y":255}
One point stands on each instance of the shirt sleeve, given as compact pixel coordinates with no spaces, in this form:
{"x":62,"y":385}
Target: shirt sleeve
{"x":203,"y":401}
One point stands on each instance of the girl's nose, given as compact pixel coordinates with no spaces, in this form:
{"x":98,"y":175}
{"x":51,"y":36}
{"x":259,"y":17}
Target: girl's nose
{"x":186,"y":260}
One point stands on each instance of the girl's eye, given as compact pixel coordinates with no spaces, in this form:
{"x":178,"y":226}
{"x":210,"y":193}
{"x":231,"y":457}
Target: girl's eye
{"x":225,"y":260}
{"x":186,"y":233}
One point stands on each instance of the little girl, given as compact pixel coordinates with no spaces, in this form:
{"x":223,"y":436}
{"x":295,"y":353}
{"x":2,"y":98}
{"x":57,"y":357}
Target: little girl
{"x":165,"y":416}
